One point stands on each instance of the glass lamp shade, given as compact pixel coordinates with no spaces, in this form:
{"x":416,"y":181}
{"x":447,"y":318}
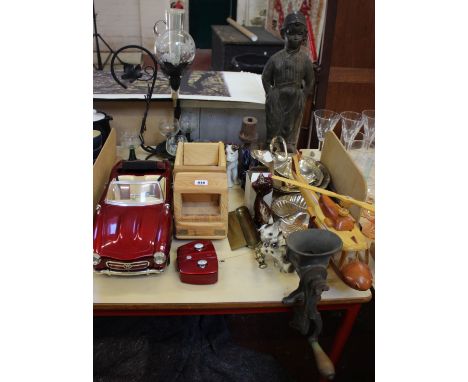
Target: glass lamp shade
{"x":174,"y":49}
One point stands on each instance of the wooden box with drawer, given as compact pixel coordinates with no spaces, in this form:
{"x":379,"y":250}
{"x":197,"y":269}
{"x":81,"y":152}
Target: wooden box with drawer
{"x":200,"y":191}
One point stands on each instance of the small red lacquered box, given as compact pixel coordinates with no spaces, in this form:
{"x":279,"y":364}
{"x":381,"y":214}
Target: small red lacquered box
{"x":197,"y":262}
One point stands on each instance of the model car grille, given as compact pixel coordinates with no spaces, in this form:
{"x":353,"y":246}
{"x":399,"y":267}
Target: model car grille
{"x":123,"y":267}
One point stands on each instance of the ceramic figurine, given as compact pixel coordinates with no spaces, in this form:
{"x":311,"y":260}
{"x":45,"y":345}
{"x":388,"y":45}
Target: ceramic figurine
{"x":232,"y":156}
{"x":244,"y":162}
{"x":271,"y":232}
{"x":273,"y":244}
{"x":288,"y":77}
{"x":262,"y":186}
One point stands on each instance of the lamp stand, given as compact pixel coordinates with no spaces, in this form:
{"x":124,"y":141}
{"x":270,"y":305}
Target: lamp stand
{"x":97,"y":37}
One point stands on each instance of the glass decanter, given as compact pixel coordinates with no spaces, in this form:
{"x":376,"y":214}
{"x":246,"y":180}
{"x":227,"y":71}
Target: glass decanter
{"x":174,"y":49}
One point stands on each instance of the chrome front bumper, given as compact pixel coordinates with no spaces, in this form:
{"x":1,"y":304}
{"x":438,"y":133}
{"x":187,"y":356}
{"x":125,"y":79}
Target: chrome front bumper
{"x":108,"y":272}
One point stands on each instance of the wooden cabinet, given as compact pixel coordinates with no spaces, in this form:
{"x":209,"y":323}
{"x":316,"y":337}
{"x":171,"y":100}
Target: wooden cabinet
{"x":228,"y":42}
{"x":345,"y":80}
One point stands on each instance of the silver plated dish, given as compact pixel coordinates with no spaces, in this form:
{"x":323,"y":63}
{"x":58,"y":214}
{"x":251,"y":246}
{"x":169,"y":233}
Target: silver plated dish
{"x":288,"y":205}
{"x":326,"y":175}
{"x":263,"y":156}
{"x":294,"y":223}
{"x":315,"y":173}
{"x":308,"y":169}
{"x":285,"y":189}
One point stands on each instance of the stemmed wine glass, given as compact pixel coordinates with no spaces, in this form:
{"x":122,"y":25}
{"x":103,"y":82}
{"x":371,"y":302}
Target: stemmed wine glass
{"x":351,"y":122}
{"x":130,"y":140}
{"x":368,"y":117}
{"x":325,"y":120}
{"x":187,"y":124}
{"x":169,"y":129}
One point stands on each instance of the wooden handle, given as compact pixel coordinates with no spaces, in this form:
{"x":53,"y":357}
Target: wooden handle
{"x":241,"y":29}
{"x":319,"y":190}
{"x":324,"y":364}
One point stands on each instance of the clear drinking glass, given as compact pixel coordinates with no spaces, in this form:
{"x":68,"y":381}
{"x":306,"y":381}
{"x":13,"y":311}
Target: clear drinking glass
{"x":325,"y":120}
{"x":169,"y":127}
{"x":351,"y":122}
{"x":188,"y":123}
{"x":130,"y":141}
{"x":368,"y":117}
{"x":362,"y":157}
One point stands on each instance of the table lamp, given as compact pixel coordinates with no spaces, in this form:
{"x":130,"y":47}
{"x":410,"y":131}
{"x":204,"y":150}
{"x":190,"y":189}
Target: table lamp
{"x":174,"y":49}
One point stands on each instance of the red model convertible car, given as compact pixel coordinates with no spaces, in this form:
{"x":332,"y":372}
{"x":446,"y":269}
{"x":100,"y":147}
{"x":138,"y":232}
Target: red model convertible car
{"x":133,"y":223}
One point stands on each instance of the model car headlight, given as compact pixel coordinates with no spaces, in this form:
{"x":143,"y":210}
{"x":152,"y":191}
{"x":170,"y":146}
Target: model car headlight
{"x":159,"y":258}
{"x":96,"y":259}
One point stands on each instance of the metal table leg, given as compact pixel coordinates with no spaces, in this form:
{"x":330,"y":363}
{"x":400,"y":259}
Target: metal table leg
{"x":344,"y":331}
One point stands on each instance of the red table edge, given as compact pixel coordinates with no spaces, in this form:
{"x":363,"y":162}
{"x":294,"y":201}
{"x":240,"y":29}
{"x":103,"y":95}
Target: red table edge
{"x":184,"y":309}
{"x":339,"y":342}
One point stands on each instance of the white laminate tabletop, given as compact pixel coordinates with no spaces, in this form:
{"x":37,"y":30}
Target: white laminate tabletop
{"x":240,"y":282}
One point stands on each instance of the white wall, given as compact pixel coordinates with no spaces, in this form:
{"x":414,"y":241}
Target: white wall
{"x":124,"y":22}
{"x":151,"y":11}
{"x":251,"y":10}
{"x":118,"y":22}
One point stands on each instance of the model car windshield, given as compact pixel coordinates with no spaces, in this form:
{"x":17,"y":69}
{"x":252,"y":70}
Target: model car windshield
{"x":129,"y":190}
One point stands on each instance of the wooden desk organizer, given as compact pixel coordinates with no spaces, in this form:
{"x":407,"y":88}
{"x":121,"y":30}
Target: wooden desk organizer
{"x":200,"y":157}
{"x":200,"y":191}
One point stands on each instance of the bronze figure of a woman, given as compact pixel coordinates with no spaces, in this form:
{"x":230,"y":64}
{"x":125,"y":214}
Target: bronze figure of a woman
{"x":288,"y":77}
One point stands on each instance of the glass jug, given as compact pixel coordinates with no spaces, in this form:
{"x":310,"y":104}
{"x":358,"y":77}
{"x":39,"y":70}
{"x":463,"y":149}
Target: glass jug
{"x":174,"y":48}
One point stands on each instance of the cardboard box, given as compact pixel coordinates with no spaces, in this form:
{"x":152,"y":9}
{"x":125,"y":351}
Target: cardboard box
{"x":103,"y":166}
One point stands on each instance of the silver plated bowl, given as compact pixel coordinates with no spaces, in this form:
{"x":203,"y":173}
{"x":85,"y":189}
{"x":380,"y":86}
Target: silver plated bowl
{"x":288,"y":205}
{"x":297,"y":222}
{"x":286,"y":189}
{"x":326,"y":175}
{"x":263,"y":156}
{"x":307,"y":166}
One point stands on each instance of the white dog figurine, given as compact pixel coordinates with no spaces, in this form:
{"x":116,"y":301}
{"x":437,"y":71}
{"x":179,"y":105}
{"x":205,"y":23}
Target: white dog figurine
{"x":274,"y":245}
{"x":232,"y":155}
{"x":270,"y":232}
